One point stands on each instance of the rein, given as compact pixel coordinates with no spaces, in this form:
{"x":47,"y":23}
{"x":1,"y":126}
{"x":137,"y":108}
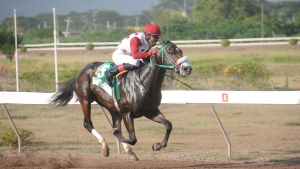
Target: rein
{"x":180,"y":82}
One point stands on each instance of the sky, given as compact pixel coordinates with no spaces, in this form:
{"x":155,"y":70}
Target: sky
{"x":29,"y":8}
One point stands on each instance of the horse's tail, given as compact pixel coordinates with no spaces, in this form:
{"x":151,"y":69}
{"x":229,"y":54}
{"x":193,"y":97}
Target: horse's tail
{"x":64,"y":94}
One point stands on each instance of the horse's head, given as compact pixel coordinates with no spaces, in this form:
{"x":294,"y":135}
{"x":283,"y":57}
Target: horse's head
{"x":169,"y":56}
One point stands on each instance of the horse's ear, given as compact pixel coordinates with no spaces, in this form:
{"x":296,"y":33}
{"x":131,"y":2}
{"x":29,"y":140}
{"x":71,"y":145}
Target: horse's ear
{"x":164,"y":42}
{"x":161,"y":41}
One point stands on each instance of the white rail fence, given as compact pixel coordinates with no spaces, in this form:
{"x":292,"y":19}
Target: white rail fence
{"x":171,"y":97}
{"x":178,"y":97}
{"x":179,"y":43}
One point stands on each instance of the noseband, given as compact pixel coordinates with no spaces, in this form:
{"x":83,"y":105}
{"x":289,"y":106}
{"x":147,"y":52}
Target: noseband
{"x":170,"y":57}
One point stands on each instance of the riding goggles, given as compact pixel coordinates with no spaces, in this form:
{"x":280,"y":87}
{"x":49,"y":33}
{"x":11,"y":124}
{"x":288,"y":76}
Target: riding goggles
{"x":154,"y":38}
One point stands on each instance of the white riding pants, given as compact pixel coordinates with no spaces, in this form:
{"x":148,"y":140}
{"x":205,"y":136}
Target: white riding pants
{"x":119,"y":58}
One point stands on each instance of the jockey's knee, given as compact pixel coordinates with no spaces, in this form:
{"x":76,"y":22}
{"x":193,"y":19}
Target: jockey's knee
{"x":128,"y":66}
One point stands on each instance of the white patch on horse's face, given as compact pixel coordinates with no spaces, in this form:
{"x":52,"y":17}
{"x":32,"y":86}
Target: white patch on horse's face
{"x":177,"y":49}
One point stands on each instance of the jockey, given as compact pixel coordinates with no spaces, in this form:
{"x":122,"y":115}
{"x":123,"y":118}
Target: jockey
{"x":132,"y":49}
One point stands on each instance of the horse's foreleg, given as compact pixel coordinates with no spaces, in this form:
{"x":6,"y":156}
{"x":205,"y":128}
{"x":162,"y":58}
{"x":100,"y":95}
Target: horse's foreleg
{"x":160,"y":118}
{"x":88,"y":124}
{"x":116,"y":128}
{"x":128,"y":122}
{"x":117,"y":118}
{"x":129,"y":151}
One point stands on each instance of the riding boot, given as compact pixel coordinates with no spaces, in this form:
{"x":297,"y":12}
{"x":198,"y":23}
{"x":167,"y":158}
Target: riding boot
{"x":112,"y":72}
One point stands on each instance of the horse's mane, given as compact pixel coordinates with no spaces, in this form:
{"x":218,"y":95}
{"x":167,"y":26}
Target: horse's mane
{"x":145,"y":62}
{"x":164,"y":42}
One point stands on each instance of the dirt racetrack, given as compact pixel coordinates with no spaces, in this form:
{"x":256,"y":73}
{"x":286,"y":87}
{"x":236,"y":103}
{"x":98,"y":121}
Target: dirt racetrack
{"x":58,"y":160}
{"x":262,"y":136}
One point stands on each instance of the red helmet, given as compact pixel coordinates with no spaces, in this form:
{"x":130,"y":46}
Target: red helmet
{"x":152,"y":29}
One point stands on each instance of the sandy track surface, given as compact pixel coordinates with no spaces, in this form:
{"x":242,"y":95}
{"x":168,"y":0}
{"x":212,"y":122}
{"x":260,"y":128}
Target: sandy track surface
{"x":62,"y":160}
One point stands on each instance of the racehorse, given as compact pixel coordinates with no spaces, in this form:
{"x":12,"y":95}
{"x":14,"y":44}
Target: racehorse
{"x":140,"y":95}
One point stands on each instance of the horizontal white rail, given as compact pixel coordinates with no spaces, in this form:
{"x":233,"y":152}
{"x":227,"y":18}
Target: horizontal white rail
{"x":180,"y":43}
{"x":73,"y":44}
{"x":178,"y":97}
{"x":191,"y":45}
{"x":231,"y":97}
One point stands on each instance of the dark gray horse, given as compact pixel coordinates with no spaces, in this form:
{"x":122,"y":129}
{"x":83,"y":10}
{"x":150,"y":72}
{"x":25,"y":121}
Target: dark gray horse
{"x":140,"y":95}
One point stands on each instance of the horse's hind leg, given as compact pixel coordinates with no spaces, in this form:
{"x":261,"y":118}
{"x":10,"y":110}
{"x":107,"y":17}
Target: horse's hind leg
{"x":158,"y":117}
{"x":88,"y":124}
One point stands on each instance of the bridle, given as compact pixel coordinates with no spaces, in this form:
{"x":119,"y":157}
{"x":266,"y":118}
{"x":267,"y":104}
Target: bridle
{"x":169,"y":57}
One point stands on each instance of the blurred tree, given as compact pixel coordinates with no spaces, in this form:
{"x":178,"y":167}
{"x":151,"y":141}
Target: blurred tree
{"x":177,"y":5}
{"x":223,"y":19}
{"x":43,"y":20}
{"x":114,"y":35}
{"x":7,"y":43}
{"x":224,"y":9}
{"x":42,"y":35}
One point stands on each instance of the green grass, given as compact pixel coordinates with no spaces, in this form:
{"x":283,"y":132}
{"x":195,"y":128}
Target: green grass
{"x":40,"y":65}
{"x":229,"y":114}
{"x":24,"y":117}
{"x":287,"y":59}
{"x":236,"y":113}
{"x":178,"y":143}
{"x":295,"y":160}
{"x":44,"y":123}
{"x":151,"y":128}
{"x":70,"y":142}
{"x":245,"y":135}
{"x":201,"y":124}
{"x":292,"y":123}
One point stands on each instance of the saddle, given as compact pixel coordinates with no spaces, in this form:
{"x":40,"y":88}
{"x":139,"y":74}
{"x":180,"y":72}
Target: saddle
{"x":120,"y":75}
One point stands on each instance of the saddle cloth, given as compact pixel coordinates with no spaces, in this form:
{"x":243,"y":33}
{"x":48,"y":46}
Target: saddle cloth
{"x":99,"y":79}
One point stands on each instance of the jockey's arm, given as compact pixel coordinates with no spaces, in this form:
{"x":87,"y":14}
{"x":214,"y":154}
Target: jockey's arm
{"x":134,"y":46}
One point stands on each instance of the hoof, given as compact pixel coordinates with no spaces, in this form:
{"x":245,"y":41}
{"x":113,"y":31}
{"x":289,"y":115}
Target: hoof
{"x":132,"y":155}
{"x":156,"y":147}
{"x":105,"y":151}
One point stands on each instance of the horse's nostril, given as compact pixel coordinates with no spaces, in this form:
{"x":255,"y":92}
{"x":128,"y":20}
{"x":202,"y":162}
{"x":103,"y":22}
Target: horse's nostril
{"x":187,"y":69}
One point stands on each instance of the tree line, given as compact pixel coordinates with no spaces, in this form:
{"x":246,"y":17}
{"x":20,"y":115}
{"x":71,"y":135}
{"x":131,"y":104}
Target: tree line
{"x":196,"y":19}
